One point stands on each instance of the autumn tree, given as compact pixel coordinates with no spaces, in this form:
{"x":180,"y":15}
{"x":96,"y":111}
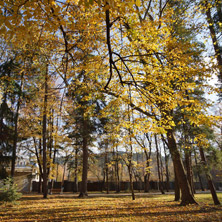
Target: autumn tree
{"x":169,"y":56}
{"x":104,"y":46}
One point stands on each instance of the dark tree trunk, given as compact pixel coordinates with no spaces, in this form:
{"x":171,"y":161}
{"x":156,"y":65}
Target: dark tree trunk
{"x":219,"y":10}
{"x":76,"y":171}
{"x":209,"y":179}
{"x":147,"y":182}
{"x":117,"y":171}
{"x":176,"y":186}
{"x":131,"y":180}
{"x":50,"y":143}
{"x":186,"y":193}
{"x":130,"y":170}
{"x":83,"y":188}
{"x":53,"y":161}
{"x":130,"y":156}
{"x":158,"y":165}
{"x":38,"y":155}
{"x":106,"y":171}
{"x":44,"y":135}
{"x":189,"y":169}
{"x":103,"y":181}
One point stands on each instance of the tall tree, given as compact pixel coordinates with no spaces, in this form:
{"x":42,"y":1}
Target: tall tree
{"x":44,"y":135}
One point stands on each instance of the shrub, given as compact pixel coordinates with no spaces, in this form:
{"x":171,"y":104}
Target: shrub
{"x":9,"y":192}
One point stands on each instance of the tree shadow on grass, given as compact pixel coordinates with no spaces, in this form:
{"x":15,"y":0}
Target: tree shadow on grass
{"x":136,"y":214}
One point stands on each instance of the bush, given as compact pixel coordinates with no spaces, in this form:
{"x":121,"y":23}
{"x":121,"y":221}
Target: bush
{"x":9,"y":192}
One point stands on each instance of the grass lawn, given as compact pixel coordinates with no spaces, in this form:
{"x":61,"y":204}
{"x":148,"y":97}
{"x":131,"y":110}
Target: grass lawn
{"x":146,"y":207}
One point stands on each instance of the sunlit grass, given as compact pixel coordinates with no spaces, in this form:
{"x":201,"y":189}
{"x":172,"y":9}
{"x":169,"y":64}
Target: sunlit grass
{"x":147,"y":207}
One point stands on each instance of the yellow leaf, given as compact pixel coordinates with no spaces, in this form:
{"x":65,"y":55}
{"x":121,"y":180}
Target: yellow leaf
{"x":138,"y":3}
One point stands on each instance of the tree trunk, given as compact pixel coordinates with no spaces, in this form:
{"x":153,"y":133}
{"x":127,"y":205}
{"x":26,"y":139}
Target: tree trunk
{"x":117,"y":171}
{"x":186,"y":194}
{"x":50,"y":142}
{"x":131,"y":180}
{"x":176,"y":187}
{"x":219,"y":10}
{"x":53,"y":161}
{"x":76,"y":171}
{"x":129,"y":165}
{"x":189,"y":169}
{"x":44,"y":135}
{"x":103,"y":181}
{"x":146,"y":182}
{"x":83,"y":188}
{"x":209,"y":179}
{"x":106,"y":171}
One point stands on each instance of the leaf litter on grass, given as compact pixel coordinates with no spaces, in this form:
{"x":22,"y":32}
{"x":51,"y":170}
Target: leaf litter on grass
{"x":69,"y":208}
